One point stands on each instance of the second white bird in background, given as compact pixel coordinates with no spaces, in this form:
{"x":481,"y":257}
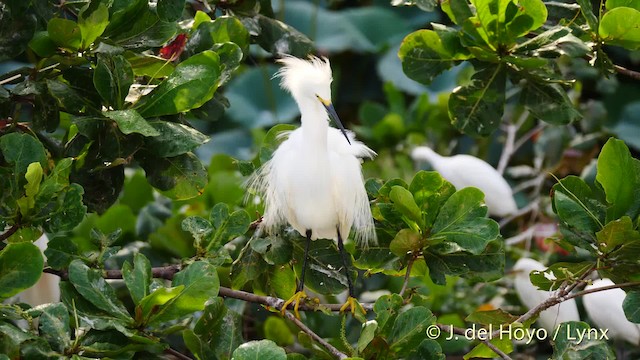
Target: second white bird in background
{"x":469,"y":171}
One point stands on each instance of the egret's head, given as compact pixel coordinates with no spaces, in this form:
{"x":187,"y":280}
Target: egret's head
{"x":309,"y":80}
{"x":306,"y":78}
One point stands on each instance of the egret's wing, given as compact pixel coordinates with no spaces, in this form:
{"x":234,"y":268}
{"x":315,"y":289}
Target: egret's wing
{"x":271,"y":185}
{"x":349,"y":192}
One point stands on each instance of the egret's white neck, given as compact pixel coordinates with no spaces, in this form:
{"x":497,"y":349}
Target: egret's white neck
{"x":314,"y":123}
{"x":425,"y":153}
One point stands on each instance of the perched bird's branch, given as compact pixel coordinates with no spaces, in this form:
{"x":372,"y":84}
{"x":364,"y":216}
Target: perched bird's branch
{"x":630,"y":73}
{"x":167,"y":273}
{"x":335,"y":352}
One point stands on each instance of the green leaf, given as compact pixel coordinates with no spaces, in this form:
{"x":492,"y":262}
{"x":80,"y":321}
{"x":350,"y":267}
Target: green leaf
{"x":112,"y":79}
{"x":619,"y":26}
{"x":220,"y":328}
{"x":325,"y":270}
{"x":170,"y":10}
{"x":428,"y":349}
{"x":634,"y":4}
{"x":483,"y":351}
{"x":94,"y":288}
{"x":228,"y":226}
{"x":42,"y":44}
{"x":174,"y":139}
{"x":427,"y":53}
{"x":616,"y":233}
{"x":367,"y":334}
{"x":61,"y":250}
{"x":477,"y":108}
{"x":406,"y":241}
{"x":530,"y":15}
{"x":16,"y":29}
{"x":568,"y":345}
{"x":65,"y":33}
{"x":17,"y":274}
{"x":199,"y":228}
{"x":430,"y":192}
{"x":578,"y":211}
{"x":587,"y":13}
{"x":54,"y":326}
{"x":279,"y":38}
{"x":153,"y":303}
{"x":149,"y":65}
{"x":491,"y":317}
{"x":199,"y":348}
{"x":34,"y":178}
{"x":180,"y":177}
{"x":631,"y":306}
{"x":201,"y":283}
{"x":137,"y":278}
{"x":129,"y":122}
{"x":69,"y":210}
{"x":92,"y":20}
{"x":387,"y":308}
{"x":276,"y":330}
{"x":462,"y":225}
{"x":263,"y":350}
{"x":619,"y":176}
{"x":409,"y":328}
{"x":552,"y":277}
{"x":22,"y":150}
{"x":549,"y":103}
{"x":223,"y":29}
{"x":190,"y":85}
{"x":69,"y":99}
{"x":486,"y":266}
{"x":403,"y":201}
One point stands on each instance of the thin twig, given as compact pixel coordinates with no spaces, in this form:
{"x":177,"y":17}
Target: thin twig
{"x":507,"y":151}
{"x":335,"y":352}
{"x":176,"y":354}
{"x":608,"y":287}
{"x":464,"y":332}
{"x":407,"y":276}
{"x":12,"y":230}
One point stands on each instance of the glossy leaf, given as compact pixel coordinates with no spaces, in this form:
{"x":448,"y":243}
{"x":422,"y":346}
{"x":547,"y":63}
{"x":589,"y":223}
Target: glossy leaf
{"x":279,"y":38}
{"x":54,"y":326}
{"x":406,"y":242}
{"x":262,"y":349}
{"x":462,"y":225}
{"x":34,"y":178}
{"x":276,"y":330}
{"x":619,"y":176}
{"x":427,"y":53}
{"x":619,"y":26}
{"x":92,"y":21}
{"x":409,"y":328}
{"x":190,"y":85}
{"x":200,"y":282}
{"x":137,"y":278}
{"x":223,"y":29}
{"x":95,"y":289}
{"x":65,"y":33}
{"x":174,"y":139}
{"x":477,"y":108}
{"x":179,"y":177}
{"x":170,"y":10}
{"x":154,"y":302}
{"x":69,"y":210}
{"x":403,"y":201}
{"x":486,"y":266}
{"x":631,"y":306}
{"x":16,"y":274}
{"x":549,"y":103}
{"x":220,"y":328}
{"x":616,"y":233}
{"x":22,"y":150}
{"x":112,"y":79}
{"x":129,"y":122}
{"x":567,"y":346}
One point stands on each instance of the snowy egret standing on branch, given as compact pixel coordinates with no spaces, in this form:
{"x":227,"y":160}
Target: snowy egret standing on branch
{"x":314,"y":179}
{"x":466,"y":170}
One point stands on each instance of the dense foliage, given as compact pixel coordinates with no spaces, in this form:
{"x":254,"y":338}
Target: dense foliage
{"x":127,"y":130}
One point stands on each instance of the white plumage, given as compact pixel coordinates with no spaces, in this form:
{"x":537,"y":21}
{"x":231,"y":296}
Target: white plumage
{"x":314,"y":180}
{"x":531,"y":297}
{"x":605,"y":310}
{"x":465,"y":171}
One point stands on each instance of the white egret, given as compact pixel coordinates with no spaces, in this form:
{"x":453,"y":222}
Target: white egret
{"x":314,"y":179}
{"x":605,"y":310}
{"x":465,"y":171}
{"x":47,"y":289}
{"x":531,"y":296}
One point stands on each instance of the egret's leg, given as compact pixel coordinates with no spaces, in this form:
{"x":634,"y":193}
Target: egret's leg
{"x":351,"y":302}
{"x":304,"y":262}
{"x":300,"y":295}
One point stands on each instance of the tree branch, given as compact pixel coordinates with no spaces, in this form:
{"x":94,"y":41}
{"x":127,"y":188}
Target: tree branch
{"x":624,"y":71}
{"x":12,"y":230}
{"x":407,"y":276}
{"x":176,"y":354}
{"x":335,"y":352}
{"x":167,"y":273}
